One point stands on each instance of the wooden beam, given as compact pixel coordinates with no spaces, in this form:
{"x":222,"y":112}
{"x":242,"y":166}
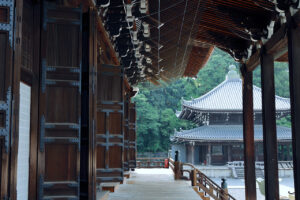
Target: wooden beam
{"x":276,"y":46}
{"x":294,"y":70}
{"x":269,"y":126}
{"x":248,"y":132}
{"x":101,"y":29}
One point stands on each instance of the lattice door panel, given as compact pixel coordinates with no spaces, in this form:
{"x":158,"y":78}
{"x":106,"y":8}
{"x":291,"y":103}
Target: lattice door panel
{"x":126,"y":134}
{"x":60,"y":103}
{"x":132,"y":135}
{"x":110,"y":124}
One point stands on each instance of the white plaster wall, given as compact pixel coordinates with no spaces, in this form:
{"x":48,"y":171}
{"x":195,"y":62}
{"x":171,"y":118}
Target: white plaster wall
{"x":24,"y":143}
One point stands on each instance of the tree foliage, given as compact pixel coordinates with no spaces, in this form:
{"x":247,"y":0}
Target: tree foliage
{"x":156,"y":106}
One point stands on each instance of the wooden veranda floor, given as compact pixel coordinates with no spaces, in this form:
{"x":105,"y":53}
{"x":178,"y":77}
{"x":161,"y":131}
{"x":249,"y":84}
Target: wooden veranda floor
{"x":154,"y":184}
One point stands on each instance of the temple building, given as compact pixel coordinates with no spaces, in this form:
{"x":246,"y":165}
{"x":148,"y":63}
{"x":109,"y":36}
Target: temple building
{"x":219,"y":137}
{"x":70,"y":68}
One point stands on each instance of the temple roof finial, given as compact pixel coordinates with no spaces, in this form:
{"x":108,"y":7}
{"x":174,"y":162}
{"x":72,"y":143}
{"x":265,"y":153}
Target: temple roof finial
{"x":232,"y":73}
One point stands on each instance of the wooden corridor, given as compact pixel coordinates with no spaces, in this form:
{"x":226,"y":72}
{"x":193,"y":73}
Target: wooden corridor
{"x":149,"y":184}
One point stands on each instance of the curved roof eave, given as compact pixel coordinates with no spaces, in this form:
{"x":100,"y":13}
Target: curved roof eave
{"x":232,"y":85}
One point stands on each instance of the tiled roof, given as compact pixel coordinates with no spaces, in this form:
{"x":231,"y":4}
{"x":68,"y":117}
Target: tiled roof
{"x":227,"y":133}
{"x":228,"y":97}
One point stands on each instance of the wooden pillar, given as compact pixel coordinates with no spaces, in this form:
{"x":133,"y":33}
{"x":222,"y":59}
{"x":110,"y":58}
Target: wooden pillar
{"x":208,"y":155}
{"x":269,"y":127}
{"x":294,"y":63}
{"x":192,"y":145}
{"x":89,"y":107}
{"x":248,"y":133}
{"x":229,"y":148}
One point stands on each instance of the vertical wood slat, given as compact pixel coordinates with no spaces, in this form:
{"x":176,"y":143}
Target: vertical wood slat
{"x":269,"y":127}
{"x":35,"y":39}
{"x":93,"y":54}
{"x":294,"y":70}
{"x":88,"y":113}
{"x":60,"y":102}
{"x":248,"y":134}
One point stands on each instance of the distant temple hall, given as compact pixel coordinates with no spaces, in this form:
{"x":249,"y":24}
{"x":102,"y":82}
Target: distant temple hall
{"x":219,"y":114}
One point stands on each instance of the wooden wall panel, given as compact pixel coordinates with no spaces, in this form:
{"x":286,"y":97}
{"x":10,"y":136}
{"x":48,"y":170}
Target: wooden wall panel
{"x":6,"y":86}
{"x":132,"y":136}
{"x":110,"y":124}
{"x":60,"y":102}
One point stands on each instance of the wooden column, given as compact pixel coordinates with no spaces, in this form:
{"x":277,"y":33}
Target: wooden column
{"x":294,"y":63}
{"x":192,"y":145}
{"x":208,"y":156}
{"x":89,"y":107}
{"x":248,"y":133}
{"x":269,"y":127}
{"x":229,"y":148}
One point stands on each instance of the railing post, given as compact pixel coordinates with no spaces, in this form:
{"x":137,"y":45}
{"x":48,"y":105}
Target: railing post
{"x":225,"y":189}
{"x":194,"y":177}
{"x":177,"y":170}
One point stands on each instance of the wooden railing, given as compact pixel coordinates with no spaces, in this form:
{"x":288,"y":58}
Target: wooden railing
{"x":151,"y":162}
{"x":172,"y":164}
{"x":260,"y":164}
{"x":202,"y":184}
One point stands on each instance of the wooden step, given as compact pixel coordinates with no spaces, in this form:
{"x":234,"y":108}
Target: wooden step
{"x":109,"y":186}
{"x":206,"y":197}
{"x":200,"y":193}
{"x":102,"y":195}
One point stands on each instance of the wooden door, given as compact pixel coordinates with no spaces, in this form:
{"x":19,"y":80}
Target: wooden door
{"x":88,"y":110}
{"x":60,"y":102}
{"x":110,"y":124}
{"x":126,"y":133}
{"x":132,"y":136}
{"x":6,"y":50}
